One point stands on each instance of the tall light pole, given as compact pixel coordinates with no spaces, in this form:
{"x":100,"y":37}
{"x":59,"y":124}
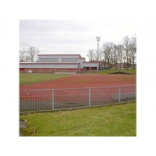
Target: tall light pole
{"x":98,"y":39}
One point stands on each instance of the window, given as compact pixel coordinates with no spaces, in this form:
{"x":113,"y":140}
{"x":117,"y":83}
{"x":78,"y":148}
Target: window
{"x":69,"y":60}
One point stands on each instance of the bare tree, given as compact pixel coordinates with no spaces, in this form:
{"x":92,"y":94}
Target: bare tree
{"x":124,"y":58}
{"x":115,"y":55}
{"x":107,"y":53}
{"x":133,"y":48}
{"x":119,"y":49}
{"x":22,"y":55}
{"x":126,"y":42}
{"x":27,"y":58}
{"x":91,"y":55}
{"x":32,"y":52}
{"x":29,"y":55}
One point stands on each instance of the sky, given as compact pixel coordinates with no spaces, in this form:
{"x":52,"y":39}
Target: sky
{"x":72,"y":36}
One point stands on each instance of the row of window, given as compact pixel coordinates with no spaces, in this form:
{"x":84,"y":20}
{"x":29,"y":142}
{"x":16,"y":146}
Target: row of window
{"x":56,"y":60}
{"x":69,"y":60}
{"x":48,"y":60}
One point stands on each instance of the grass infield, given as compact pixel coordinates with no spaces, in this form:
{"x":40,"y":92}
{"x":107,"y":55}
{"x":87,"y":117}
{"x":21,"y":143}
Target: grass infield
{"x":117,"y":120}
{"x":31,"y":78}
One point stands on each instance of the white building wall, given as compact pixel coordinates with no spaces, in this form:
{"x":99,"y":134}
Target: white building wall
{"x":81,"y":61}
{"x":47,"y":65}
{"x":90,"y":64}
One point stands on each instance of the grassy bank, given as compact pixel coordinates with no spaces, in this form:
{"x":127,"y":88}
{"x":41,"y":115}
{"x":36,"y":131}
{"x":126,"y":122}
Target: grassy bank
{"x":110,"y":71}
{"x":118,"y":120}
{"x":30,"y":78}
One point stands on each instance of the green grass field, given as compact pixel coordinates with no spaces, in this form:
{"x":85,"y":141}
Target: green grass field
{"x":30,"y":78}
{"x":118,"y":120}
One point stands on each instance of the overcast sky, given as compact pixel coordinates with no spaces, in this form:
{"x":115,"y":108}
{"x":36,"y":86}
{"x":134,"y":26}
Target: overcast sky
{"x":73,"y":36}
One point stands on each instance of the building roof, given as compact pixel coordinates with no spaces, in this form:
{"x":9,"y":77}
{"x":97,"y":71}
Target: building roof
{"x":60,"y":55}
{"x":48,"y":63}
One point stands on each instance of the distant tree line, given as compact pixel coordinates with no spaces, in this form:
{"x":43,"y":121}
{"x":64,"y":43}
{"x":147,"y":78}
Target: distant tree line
{"x":28,"y":55}
{"x":113,"y":55}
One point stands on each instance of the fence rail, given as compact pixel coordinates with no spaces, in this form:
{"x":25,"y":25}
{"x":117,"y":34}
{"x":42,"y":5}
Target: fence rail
{"x":52,"y":99}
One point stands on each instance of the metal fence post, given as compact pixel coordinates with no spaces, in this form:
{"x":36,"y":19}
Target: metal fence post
{"x":119,"y":94}
{"x":89,"y":97}
{"x":53,"y":104}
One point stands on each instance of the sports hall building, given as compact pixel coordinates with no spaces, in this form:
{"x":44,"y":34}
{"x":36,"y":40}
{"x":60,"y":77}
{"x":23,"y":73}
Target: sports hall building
{"x":52,"y":63}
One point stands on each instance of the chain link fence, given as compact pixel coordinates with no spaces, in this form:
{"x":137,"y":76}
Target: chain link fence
{"x":53,"y":99}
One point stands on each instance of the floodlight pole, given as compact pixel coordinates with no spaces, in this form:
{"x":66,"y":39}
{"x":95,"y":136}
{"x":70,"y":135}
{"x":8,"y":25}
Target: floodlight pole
{"x":98,"y":39}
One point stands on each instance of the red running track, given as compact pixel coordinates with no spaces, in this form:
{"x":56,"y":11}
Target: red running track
{"x":83,"y":81}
